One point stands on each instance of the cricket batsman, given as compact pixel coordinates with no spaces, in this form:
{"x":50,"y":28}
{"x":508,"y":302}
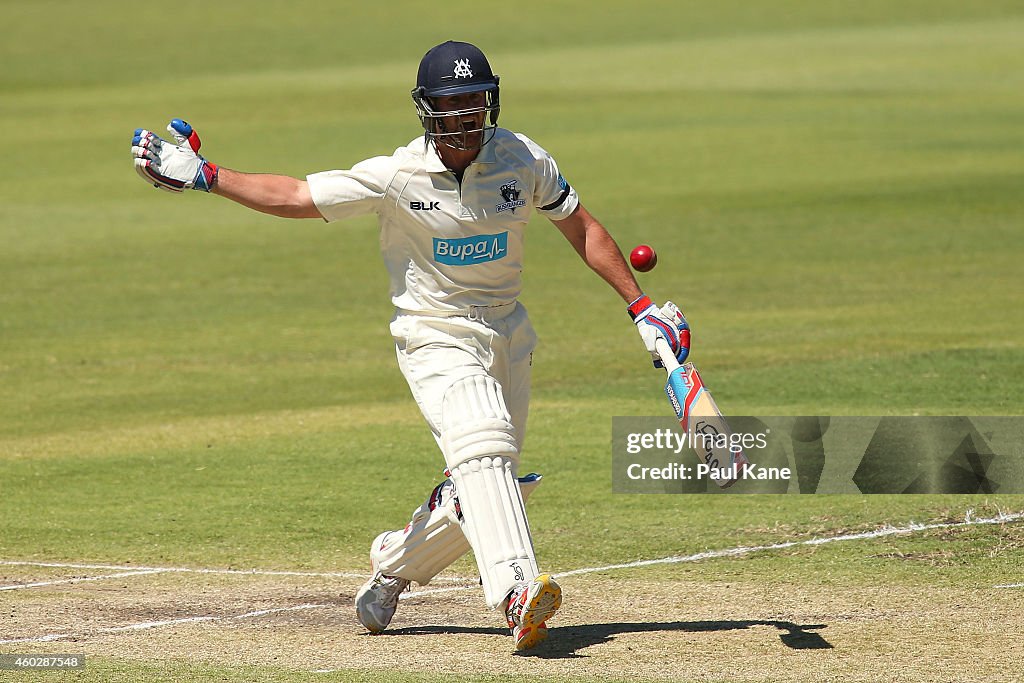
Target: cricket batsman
{"x":452,"y":205}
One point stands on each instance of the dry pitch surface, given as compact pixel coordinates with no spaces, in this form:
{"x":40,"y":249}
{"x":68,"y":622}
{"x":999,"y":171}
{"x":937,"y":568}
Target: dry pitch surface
{"x":623,"y":624}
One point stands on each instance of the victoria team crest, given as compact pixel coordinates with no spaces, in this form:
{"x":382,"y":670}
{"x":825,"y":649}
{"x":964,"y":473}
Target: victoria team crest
{"x":462,"y":69}
{"x":510,"y":197}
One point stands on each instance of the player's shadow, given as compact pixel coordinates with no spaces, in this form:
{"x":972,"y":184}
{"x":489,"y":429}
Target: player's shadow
{"x":565,"y":642}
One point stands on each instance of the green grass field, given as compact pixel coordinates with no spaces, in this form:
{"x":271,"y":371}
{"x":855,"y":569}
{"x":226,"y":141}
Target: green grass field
{"x":834,"y":190}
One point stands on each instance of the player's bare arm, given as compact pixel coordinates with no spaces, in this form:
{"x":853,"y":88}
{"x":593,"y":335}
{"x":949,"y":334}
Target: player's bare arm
{"x":278,"y":195}
{"x":598,"y":250}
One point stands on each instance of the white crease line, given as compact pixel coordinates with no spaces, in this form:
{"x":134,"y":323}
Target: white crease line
{"x":188,"y":570}
{"x":157,"y":624}
{"x":79,"y":579}
{"x":193,"y":620}
{"x":1010,"y":585}
{"x":746,"y":550}
{"x":40,"y":639}
{"x":969,"y":520}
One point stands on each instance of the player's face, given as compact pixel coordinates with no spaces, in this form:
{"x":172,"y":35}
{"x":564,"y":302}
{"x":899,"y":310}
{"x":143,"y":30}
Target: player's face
{"x":467,"y":116}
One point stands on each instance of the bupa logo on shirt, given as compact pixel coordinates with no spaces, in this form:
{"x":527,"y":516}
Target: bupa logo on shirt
{"x":466,"y":251}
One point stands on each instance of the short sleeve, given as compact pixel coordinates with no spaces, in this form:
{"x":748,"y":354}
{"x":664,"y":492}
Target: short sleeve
{"x":553,"y":196}
{"x":358,"y":191}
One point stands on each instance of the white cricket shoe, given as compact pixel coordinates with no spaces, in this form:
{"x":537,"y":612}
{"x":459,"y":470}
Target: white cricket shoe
{"x":377,"y":599}
{"x":529,"y":607}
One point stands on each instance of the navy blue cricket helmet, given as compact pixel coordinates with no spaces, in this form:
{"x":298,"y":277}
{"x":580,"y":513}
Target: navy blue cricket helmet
{"x":456,"y":68}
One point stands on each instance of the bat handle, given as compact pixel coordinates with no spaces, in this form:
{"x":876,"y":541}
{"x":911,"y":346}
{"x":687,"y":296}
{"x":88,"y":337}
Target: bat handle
{"x":667,"y":357}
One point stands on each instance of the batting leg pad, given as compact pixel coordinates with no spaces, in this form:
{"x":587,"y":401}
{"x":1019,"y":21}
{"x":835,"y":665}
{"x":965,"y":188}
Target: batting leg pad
{"x":495,"y":524}
{"x":433,"y":540}
{"x":430,"y":542}
{"x":475,"y":422}
{"x":482,"y":453}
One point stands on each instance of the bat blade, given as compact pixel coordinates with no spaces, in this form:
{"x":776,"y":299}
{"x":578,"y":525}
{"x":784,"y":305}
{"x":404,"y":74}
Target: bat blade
{"x":706,"y":428}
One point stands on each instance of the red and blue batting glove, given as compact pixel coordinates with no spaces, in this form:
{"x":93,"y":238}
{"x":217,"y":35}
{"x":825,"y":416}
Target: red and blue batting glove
{"x":667,"y":323}
{"x":170,"y":167}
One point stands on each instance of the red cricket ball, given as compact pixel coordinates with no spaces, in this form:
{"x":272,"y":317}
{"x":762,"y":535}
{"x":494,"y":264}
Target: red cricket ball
{"x":643,"y":258}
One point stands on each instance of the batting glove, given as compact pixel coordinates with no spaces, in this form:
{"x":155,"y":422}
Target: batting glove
{"x":170,"y":167}
{"x":667,"y":323}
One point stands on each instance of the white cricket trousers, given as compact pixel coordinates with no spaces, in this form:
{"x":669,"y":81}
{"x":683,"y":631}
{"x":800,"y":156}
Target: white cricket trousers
{"x":435,"y":352}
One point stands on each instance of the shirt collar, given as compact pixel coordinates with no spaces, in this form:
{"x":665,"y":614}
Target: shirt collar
{"x":432,"y":162}
{"x":486,"y":155}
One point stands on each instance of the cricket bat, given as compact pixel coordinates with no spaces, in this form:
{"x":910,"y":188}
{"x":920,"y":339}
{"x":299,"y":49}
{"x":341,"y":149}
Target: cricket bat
{"x":702,"y":421}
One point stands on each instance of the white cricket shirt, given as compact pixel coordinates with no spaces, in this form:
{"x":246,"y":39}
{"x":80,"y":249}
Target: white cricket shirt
{"x":448,"y":245}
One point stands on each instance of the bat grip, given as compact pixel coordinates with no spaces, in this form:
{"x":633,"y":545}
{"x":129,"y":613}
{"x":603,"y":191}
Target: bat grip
{"x":666,"y":355}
